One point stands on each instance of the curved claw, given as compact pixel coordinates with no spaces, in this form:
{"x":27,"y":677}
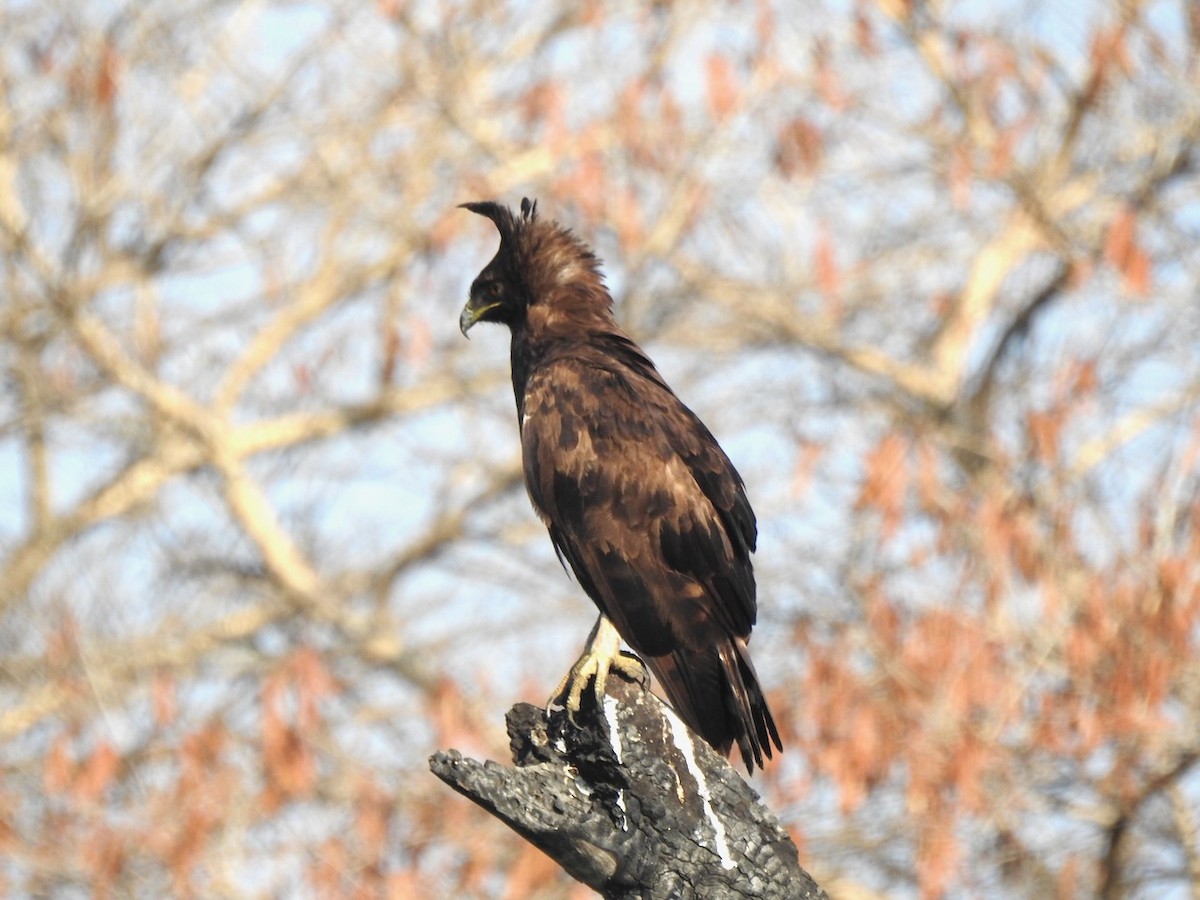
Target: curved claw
{"x":601,"y":655}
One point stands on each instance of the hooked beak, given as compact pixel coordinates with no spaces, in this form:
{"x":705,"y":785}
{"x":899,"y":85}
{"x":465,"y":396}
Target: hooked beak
{"x":468,"y":318}
{"x":472,"y":314}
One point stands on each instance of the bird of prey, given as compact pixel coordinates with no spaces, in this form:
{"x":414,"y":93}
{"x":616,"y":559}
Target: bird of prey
{"x":639,"y":499}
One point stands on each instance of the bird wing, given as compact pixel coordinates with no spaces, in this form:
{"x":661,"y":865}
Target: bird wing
{"x":641,"y":502}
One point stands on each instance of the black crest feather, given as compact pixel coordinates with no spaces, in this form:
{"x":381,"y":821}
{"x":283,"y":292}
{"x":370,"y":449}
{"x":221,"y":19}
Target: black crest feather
{"x":501,"y":216}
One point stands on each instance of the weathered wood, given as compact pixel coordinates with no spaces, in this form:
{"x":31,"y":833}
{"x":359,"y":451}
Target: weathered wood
{"x":632,"y":804}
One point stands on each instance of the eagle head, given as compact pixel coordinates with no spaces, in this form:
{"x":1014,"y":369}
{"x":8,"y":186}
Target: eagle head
{"x":500,"y":293}
{"x":538,"y":262}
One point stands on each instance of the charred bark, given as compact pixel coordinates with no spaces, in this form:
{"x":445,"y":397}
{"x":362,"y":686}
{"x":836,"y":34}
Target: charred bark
{"x":628,"y":801}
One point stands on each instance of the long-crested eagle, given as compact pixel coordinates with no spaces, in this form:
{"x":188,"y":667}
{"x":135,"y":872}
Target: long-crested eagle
{"x":639,"y":499}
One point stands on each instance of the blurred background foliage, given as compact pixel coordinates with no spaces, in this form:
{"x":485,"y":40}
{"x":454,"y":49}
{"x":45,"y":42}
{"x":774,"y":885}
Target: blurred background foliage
{"x":927,"y":270}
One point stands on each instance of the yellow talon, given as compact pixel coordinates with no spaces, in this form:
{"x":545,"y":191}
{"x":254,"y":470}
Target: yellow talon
{"x":602,"y":654}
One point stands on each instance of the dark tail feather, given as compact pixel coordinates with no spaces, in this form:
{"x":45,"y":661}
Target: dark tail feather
{"x":747,"y":706}
{"x":716,"y":692}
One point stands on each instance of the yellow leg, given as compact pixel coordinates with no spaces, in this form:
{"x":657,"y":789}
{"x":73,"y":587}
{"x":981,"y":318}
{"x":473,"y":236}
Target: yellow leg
{"x":601,"y":655}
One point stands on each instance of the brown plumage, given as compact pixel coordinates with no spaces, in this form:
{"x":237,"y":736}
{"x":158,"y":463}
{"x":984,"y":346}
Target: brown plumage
{"x":638,"y":497}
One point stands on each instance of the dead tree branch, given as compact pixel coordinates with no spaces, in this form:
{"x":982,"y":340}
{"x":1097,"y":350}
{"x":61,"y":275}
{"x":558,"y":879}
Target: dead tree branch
{"x":628,"y":801}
